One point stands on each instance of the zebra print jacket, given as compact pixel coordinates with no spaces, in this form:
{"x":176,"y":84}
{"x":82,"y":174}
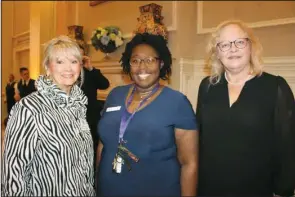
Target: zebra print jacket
{"x":48,"y":149}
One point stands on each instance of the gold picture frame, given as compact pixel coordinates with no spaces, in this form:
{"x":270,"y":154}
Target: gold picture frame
{"x":94,"y":3}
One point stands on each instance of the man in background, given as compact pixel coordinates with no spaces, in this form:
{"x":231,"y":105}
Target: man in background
{"x":9,"y":90}
{"x":25,"y":86}
{"x":9,"y":93}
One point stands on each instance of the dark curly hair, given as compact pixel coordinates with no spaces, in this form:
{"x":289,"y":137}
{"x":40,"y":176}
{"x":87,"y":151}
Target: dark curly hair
{"x":158,"y":43}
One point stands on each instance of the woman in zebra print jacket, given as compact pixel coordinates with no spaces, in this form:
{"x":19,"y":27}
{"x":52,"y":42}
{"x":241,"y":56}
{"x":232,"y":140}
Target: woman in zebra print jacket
{"x":48,"y":146}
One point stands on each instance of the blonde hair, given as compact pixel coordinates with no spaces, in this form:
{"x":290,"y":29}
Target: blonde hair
{"x":215,"y":65}
{"x":66,"y":46}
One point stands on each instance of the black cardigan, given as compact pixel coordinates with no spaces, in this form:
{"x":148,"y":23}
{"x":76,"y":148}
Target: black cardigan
{"x":93,"y":81}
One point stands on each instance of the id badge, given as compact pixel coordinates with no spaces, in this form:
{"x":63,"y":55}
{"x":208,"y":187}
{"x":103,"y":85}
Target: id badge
{"x":118,"y":164}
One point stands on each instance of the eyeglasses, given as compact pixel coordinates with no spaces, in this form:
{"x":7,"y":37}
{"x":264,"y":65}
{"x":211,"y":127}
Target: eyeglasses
{"x":239,"y":43}
{"x":148,"y":61}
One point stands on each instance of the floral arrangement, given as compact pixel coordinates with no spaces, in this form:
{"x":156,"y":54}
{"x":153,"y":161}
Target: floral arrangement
{"x":107,"y":39}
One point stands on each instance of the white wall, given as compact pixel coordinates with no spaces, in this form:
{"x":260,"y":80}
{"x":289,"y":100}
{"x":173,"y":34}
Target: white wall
{"x":192,"y":72}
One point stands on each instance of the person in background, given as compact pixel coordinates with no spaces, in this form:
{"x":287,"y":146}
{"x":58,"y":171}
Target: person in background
{"x":148,"y":132}
{"x":9,"y":93}
{"x":25,"y":86}
{"x":246,"y":119}
{"x":48,"y":148}
{"x":93,"y":80}
{"x":9,"y":90}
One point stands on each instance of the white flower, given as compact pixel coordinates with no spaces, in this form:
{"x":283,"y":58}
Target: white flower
{"x":119,"y":34}
{"x":118,"y":42}
{"x":105,"y":40}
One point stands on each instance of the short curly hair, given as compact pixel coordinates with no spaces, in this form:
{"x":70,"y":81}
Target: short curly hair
{"x":158,"y":43}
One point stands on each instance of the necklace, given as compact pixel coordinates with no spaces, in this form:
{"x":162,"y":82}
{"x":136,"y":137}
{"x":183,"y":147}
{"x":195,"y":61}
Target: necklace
{"x":142,"y":95}
{"x":238,"y":83}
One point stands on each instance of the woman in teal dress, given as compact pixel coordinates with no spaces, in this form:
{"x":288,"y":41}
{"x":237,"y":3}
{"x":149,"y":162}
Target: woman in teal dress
{"x":148,"y":131}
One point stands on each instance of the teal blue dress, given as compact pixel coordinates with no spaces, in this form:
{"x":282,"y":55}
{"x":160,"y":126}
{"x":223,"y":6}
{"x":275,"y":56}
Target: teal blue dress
{"x":150,"y":135}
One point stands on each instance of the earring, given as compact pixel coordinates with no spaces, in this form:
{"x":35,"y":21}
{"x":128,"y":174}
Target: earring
{"x":47,"y":76}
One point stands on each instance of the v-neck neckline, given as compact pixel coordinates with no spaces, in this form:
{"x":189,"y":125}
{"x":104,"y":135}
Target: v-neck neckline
{"x":224,"y":81}
{"x":230,"y":106}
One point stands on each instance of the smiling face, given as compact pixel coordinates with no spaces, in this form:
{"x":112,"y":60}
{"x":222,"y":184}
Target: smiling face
{"x":145,"y":68}
{"x":236,"y":58}
{"x":64,"y":69}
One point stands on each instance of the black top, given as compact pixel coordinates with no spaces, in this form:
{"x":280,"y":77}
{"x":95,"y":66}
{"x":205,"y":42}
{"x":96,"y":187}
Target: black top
{"x":10,"y":96}
{"x":248,"y":148}
{"x":93,"y":80}
{"x":24,"y":89}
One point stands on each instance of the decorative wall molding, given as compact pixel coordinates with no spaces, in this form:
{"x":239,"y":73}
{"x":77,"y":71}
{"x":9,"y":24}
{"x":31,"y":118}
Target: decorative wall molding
{"x":192,"y":72}
{"x":113,"y":71}
{"x":108,"y":67}
{"x":21,"y":41}
{"x":258,"y":24}
{"x":21,"y":34}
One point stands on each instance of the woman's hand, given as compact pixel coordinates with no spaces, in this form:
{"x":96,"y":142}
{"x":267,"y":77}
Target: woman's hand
{"x":87,"y":63}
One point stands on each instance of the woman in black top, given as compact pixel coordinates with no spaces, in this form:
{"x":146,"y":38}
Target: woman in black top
{"x":247,"y":122}
{"x":93,"y":81}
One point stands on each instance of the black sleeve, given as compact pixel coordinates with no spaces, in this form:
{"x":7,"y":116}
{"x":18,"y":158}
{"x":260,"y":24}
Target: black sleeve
{"x":101,"y":82}
{"x":284,"y":149}
{"x":34,"y":86}
{"x":203,"y":88}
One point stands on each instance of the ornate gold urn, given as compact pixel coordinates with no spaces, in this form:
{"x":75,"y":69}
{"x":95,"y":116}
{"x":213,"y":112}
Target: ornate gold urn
{"x":150,"y":21}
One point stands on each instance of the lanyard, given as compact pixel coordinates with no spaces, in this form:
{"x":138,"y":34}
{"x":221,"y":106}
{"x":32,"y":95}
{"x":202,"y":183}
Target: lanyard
{"x":124,"y":120}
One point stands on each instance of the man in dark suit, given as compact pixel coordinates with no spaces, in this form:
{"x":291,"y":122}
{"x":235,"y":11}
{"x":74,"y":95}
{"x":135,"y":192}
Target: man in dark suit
{"x":9,"y":90}
{"x":25,"y":86}
{"x":93,"y":81}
